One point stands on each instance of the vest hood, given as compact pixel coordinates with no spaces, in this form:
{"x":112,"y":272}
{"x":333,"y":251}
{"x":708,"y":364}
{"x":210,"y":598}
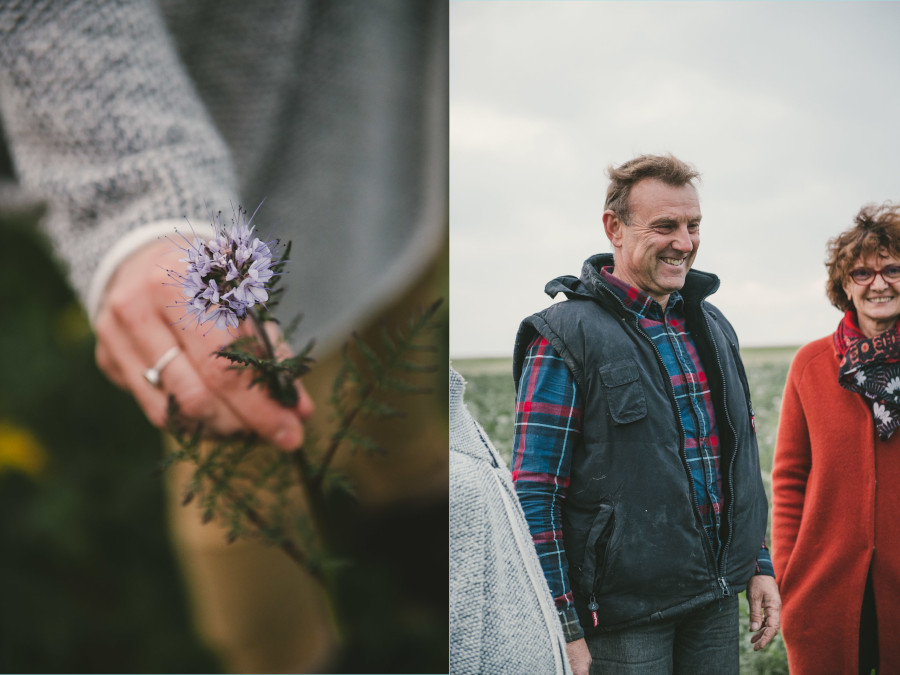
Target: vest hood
{"x":590,"y":285}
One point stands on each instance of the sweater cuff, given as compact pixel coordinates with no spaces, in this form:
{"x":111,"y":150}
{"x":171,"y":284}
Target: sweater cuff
{"x":122,"y":249}
{"x":571,"y":626}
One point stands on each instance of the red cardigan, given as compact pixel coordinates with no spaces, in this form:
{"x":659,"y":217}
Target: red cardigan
{"x":836,"y":512}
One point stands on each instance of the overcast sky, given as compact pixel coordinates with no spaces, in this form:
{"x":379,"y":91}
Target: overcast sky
{"x":790,"y":110}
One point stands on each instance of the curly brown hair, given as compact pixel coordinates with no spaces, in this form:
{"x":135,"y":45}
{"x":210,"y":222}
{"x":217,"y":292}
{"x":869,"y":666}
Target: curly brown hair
{"x":876,"y":230}
{"x":667,"y":168}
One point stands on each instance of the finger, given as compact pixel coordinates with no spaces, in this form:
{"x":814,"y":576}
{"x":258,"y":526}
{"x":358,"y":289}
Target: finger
{"x":755,"y":602}
{"x":107,"y":365}
{"x":773,"y":621}
{"x":763,"y":638}
{"x":283,"y":350}
{"x":253,"y":406}
{"x":121,"y":358}
{"x":118,"y":359}
{"x":773,"y":617}
{"x":305,"y":406}
{"x":771,"y":625}
{"x":136,"y":336}
{"x":182,"y":378}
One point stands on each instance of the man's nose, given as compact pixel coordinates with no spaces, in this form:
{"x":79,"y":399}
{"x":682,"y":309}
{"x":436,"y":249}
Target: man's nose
{"x":683,"y":241}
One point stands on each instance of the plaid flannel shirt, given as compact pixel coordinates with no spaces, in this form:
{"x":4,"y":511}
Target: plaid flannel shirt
{"x":548,"y":428}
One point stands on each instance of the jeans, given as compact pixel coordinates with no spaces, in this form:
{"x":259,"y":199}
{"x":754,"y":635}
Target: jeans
{"x":701,"y":642}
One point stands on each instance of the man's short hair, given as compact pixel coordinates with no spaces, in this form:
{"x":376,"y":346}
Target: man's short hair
{"x":876,"y":229}
{"x":667,"y":168}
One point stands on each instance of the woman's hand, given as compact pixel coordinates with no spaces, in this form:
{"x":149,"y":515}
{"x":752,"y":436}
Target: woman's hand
{"x":139,"y":321}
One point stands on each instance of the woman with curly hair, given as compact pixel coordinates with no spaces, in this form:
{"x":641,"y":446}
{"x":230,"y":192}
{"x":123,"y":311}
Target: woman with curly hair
{"x":835,"y":480}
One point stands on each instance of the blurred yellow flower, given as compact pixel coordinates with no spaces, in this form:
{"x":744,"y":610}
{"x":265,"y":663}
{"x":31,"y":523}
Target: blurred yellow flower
{"x":20,"y":450}
{"x":72,"y":325}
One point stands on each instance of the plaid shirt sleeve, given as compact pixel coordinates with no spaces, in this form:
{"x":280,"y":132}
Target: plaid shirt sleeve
{"x":547,"y":427}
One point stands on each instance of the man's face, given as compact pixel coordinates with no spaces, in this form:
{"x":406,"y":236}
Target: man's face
{"x":657,"y":248}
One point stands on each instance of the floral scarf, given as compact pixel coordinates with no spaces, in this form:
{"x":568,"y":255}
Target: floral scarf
{"x":871,"y":367}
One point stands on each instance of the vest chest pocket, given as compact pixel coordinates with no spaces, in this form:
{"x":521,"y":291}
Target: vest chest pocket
{"x":624,"y":391}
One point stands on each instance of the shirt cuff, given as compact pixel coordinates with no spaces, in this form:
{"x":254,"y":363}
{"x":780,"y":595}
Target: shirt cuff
{"x":571,"y":626}
{"x":764,"y":562}
{"x":121,"y":250}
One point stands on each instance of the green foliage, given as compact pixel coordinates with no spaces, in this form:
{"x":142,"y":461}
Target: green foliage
{"x":248,"y":487}
{"x":362,"y":380}
{"x":276,"y":375}
{"x":490,"y":397}
{"x":87,"y":576}
{"x":245,"y":486}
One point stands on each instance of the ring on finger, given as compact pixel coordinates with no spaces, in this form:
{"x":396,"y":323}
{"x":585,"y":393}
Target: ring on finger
{"x":152,"y":375}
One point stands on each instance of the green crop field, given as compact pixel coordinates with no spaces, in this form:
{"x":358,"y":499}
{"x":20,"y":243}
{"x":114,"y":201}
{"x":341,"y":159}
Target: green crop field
{"x":490,"y":397}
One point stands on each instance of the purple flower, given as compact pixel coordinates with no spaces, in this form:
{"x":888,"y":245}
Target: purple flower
{"x":227,"y":274}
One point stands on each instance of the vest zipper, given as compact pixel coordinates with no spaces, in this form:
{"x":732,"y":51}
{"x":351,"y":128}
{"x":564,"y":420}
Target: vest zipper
{"x":726,"y":589}
{"x":723,"y":554}
{"x":707,"y":545}
{"x":594,"y":609}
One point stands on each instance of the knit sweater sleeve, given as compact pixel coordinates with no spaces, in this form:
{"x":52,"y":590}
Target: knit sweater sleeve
{"x":790,"y":471}
{"x":103,"y":123}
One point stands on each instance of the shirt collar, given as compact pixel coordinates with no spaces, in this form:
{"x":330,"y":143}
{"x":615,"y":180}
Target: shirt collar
{"x":638,"y":302}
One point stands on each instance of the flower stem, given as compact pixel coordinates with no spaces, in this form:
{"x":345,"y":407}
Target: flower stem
{"x":316,"y":480}
{"x":281,"y":385}
{"x":305,"y":471}
{"x":286,"y":545}
{"x":261,"y":329}
{"x":322,"y":575}
{"x":314,"y":494}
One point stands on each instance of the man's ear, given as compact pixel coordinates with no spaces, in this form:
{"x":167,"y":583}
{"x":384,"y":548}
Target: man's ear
{"x":613,"y":226}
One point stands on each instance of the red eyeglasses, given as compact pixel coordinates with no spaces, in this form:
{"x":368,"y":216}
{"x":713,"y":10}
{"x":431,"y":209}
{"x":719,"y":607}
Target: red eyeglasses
{"x":866,"y":275}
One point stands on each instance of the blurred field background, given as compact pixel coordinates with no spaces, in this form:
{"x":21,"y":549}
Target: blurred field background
{"x":88,"y":579}
{"x":490,"y":397}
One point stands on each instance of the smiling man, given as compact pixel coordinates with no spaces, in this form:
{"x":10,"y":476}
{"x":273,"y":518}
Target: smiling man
{"x":635,"y":456}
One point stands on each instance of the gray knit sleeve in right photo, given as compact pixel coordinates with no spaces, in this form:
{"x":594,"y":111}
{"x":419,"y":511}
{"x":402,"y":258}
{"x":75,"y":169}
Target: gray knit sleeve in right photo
{"x":502,"y":618}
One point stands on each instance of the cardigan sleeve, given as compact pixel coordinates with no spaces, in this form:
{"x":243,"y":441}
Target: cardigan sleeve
{"x":790,"y":472}
{"x":103,"y":122}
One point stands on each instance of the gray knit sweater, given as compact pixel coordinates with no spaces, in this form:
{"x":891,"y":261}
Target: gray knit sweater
{"x":502,"y":618}
{"x":124,"y":113}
